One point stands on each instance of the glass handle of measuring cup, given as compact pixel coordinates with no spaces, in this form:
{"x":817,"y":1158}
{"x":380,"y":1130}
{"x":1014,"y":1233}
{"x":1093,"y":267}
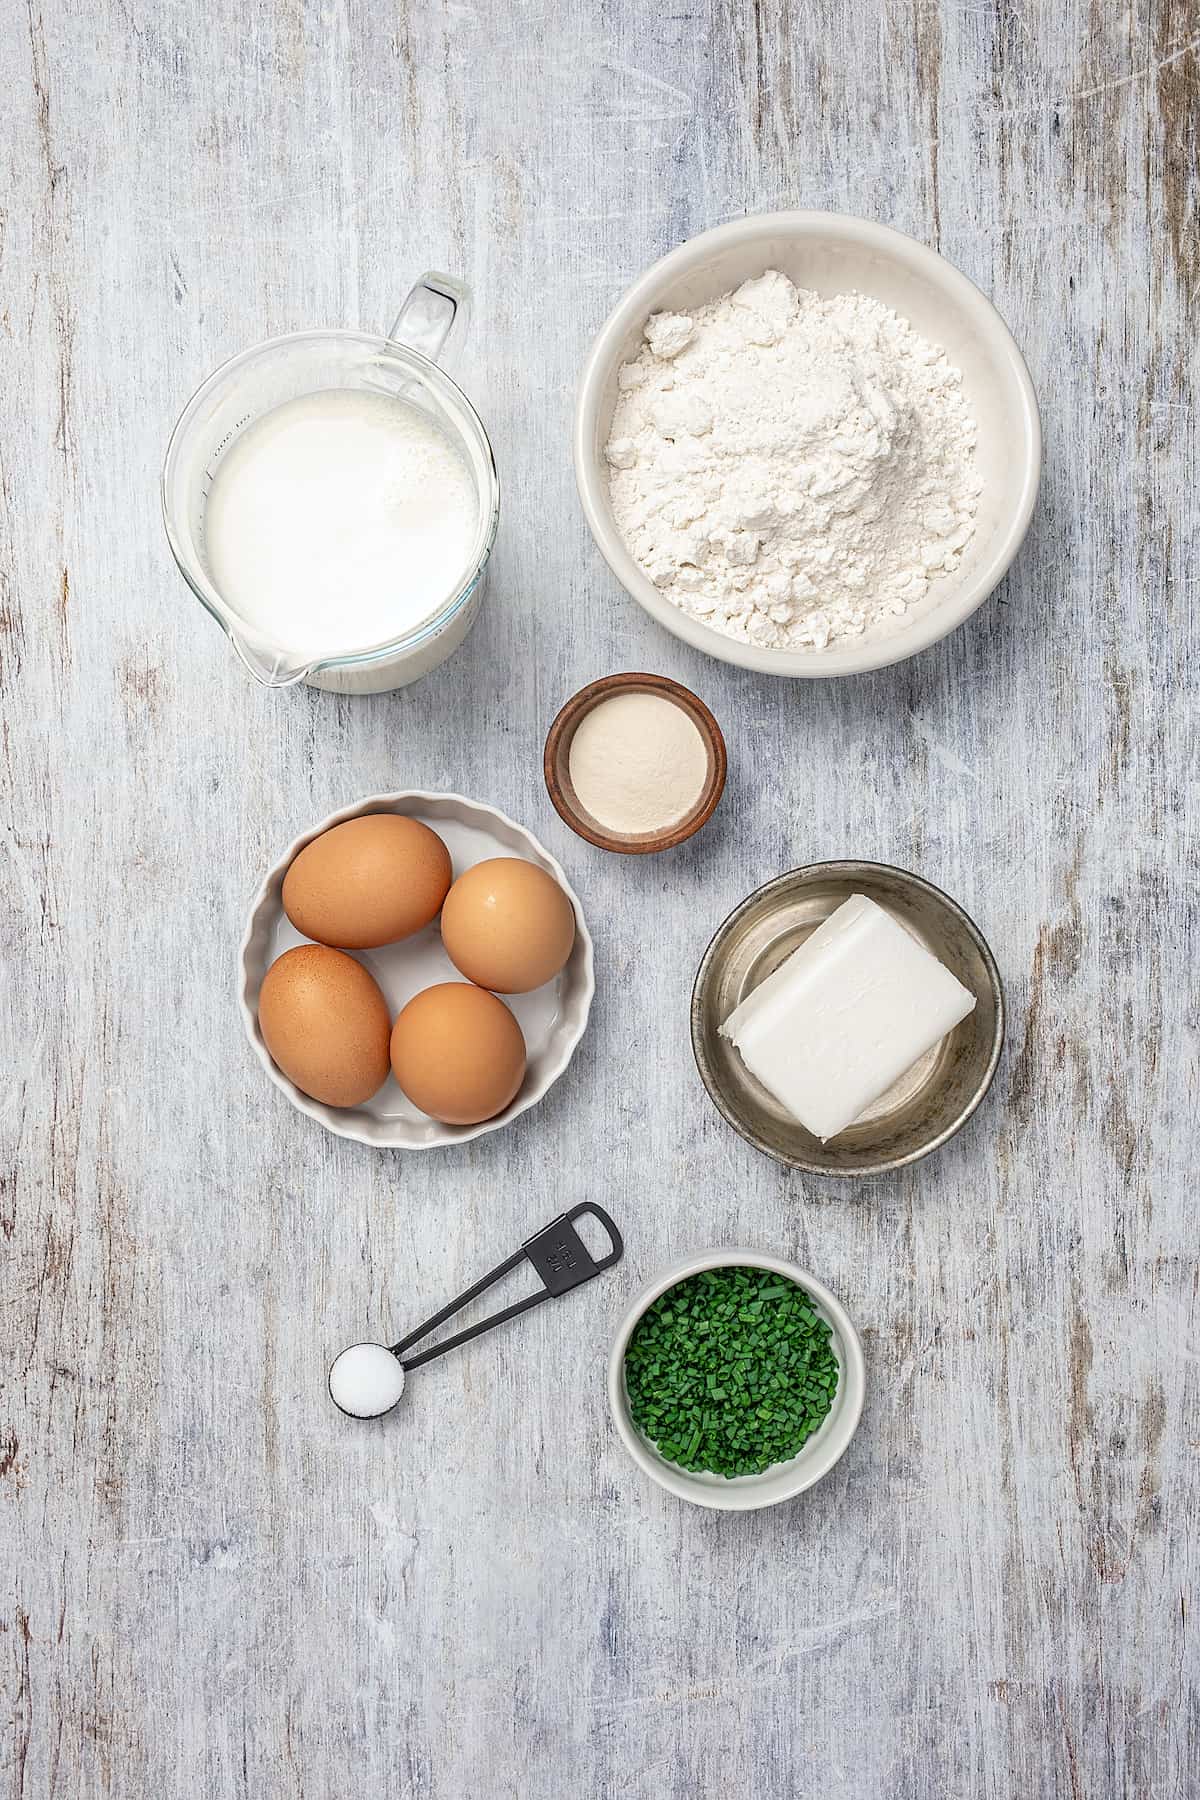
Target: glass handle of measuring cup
{"x":436,"y":304}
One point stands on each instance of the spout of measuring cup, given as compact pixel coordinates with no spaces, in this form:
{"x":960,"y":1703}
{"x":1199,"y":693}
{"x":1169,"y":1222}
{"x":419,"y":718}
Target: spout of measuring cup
{"x":273,"y":667}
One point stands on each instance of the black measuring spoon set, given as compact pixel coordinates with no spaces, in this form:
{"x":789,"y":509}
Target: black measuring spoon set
{"x":367,"y":1380}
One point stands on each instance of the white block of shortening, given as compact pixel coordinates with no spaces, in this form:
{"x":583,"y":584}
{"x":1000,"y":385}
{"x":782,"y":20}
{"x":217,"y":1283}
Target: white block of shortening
{"x":835,"y":1025}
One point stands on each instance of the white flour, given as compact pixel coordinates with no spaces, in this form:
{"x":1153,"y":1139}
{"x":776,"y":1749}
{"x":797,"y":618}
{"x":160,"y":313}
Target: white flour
{"x":638,"y":763}
{"x":789,"y":469}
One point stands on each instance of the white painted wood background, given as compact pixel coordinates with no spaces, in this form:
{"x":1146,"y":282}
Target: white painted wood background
{"x":214,"y":1586}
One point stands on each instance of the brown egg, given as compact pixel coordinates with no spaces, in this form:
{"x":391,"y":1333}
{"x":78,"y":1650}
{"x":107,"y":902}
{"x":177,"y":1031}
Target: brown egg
{"x":326,"y":1024}
{"x":507,"y":925}
{"x":458,"y":1053}
{"x":368,"y":881}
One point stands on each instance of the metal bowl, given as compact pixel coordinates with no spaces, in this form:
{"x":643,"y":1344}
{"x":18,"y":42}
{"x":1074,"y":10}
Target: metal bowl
{"x":931,"y":1101}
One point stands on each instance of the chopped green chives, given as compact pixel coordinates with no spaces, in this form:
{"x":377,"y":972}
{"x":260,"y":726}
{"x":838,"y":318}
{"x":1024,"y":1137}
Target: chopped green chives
{"x":731,"y":1371}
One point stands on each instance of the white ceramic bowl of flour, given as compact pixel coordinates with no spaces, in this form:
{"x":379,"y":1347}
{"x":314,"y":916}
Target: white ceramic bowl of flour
{"x":831,"y":254}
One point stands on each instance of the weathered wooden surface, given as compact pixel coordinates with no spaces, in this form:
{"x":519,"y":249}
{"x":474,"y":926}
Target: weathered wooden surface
{"x":214,"y":1586}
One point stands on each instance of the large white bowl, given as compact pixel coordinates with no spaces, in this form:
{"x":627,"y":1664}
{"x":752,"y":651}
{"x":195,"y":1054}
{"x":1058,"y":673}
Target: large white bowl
{"x":744,"y":1493}
{"x":832,"y":253}
{"x":552,"y":1018}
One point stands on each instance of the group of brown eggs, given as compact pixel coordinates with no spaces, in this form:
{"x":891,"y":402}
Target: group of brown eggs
{"x":456,"y":1050}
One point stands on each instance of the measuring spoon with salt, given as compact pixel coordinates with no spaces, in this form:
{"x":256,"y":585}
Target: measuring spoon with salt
{"x":367,"y":1380}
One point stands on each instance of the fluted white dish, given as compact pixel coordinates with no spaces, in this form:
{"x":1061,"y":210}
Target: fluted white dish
{"x":552,"y":1018}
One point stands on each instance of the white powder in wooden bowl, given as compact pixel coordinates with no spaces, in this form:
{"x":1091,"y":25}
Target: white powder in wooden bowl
{"x":638,"y":764}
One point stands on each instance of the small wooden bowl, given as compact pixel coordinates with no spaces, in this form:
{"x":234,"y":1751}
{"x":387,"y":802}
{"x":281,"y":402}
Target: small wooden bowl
{"x":557,"y":763}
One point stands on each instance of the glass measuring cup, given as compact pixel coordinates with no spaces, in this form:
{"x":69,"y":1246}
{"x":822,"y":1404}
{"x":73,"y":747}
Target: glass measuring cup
{"x":403,"y":366}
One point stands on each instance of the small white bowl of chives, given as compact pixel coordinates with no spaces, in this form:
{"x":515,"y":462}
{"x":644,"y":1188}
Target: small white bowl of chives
{"x":727,"y":1361}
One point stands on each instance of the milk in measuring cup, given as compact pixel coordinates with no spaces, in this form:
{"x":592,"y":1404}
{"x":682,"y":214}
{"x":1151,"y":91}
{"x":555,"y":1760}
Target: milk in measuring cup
{"x":340,"y":520}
